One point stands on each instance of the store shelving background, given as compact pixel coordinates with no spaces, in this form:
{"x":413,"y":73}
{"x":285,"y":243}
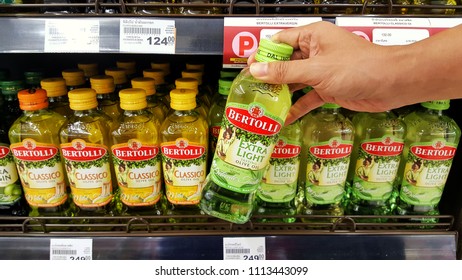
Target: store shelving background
{"x":200,"y":39}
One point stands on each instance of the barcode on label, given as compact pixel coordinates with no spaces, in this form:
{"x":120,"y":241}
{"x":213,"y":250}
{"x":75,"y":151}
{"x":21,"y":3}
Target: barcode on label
{"x":64,"y":252}
{"x":142,"y":30}
{"x":54,"y":31}
{"x":238,"y":251}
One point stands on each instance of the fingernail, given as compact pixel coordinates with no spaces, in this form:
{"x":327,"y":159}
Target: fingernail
{"x":259,"y":69}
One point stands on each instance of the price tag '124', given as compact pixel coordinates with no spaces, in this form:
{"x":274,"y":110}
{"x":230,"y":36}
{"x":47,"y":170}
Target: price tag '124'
{"x":147,"y":36}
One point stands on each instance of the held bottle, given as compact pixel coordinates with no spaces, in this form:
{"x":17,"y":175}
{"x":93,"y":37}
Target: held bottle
{"x":34,"y":141}
{"x":184,"y":145}
{"x":136,"y":156}
{"x":430,"y":145}
{"x":85,"y":143}
{"x":57,"y":95}
{"x":278,"y":190}
{"x":254,"y":115}
{"x":325,"y":158}
{"x":377,"y":149}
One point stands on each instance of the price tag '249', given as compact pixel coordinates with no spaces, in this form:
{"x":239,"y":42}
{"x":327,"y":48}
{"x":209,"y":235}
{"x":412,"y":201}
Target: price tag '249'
{"x":147,"y":36}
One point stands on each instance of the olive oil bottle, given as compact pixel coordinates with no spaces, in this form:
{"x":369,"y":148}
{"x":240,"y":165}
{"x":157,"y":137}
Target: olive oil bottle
{"x":57,"y":95}
{"x":12,"y":201}
{"x":136,"y":156}
{"x":156,"y":107}
{"x":121,"y":80}
{"x":278,"y":190}
{"x":254,"y":115}
{"x":85,"y":143}
{"x":430,"y":145}
{"x":10,"y":106}
{"x":34,"y":141}
{"x":184,"y":145}
{"x":75,"y":78}
{"x":193,"y":84}
{"x":162,"y":86}
{"x":377,"y":149}
{"x":107,"y":103}
{"x":216,"y":112}
{"x":203,"y":91}
{"x":325,"y":158}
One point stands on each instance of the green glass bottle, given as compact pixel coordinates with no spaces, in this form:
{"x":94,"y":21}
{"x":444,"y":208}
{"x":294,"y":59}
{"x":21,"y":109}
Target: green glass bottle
{"x":277,"y":193}
{"x":325,"y":158}
{"x":216,"y":112}
{"x":10,"y":107}
{"x":430,"y":145}
{"x":12,"y":200}
{"x":254,"y":115}
{"x":377,"y":149}
{"x":34,"y":138}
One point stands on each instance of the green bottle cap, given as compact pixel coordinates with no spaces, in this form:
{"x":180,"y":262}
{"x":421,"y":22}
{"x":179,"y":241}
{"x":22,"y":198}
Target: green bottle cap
{"x":330,"y":106}
{"x":229,"y":73}
{"x":11,"y":87}
{"x":436,"y":104}
{"x":271,"y":51}
{"x":33,"y":77}
{"x":224,"y":85}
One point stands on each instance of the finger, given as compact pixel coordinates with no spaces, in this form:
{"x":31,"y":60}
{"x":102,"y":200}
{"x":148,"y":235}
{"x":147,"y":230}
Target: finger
{"x":292,"y":36}
{"x":251,"y":59}
{"x":284,"y":72}
{"x":305,"y":104}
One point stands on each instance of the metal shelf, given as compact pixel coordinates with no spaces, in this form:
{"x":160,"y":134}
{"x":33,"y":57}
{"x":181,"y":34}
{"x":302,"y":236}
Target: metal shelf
{"x":154,"y":237}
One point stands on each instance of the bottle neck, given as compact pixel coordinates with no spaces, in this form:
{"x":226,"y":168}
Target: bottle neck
{"x":434,"y":112}
{"x":132,"y":113}
{"x":55,"y":99}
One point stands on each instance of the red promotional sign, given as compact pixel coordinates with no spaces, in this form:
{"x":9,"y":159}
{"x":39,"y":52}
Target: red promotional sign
{"x":242,"y":34}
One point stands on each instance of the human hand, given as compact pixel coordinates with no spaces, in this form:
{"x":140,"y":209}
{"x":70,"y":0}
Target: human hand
{"x":342,"y":68}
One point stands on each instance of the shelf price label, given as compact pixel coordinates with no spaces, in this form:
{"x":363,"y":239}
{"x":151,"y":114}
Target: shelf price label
{"x":72,"y":35}
{"x":71,"y":249}
{"x":147,"y":36}
{"x":244,"y":248}
{"x":242,"y":34}
{"x":396,"y":31}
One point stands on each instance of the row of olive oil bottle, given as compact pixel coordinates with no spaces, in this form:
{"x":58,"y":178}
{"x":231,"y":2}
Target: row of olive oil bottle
{"x":96,"y":154}
{"x":324,"y":164}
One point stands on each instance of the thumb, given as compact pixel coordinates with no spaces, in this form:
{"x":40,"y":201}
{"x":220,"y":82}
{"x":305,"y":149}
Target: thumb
{"x":283,"y":72}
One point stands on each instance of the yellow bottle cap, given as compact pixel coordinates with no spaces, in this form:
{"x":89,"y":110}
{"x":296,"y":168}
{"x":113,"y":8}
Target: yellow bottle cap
{"x":32,"y":99}
{"x":187,"y":83}
{"x":89,"y":69}
{"x":133,"y":99}
{"x":164,"y":66}
{"x":182,"y":99}
{"x":54,"y":86}
{"x":102,"y":84}
{"x":193,"y":73}
{"x":157,"y":74}
{"x":119,"y":75}
{"x":128,"y":65}
{"x":148,"y":84}
{"x":195,"y":66}
{"x":82,"y":99}
{"x":74,"y":77}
